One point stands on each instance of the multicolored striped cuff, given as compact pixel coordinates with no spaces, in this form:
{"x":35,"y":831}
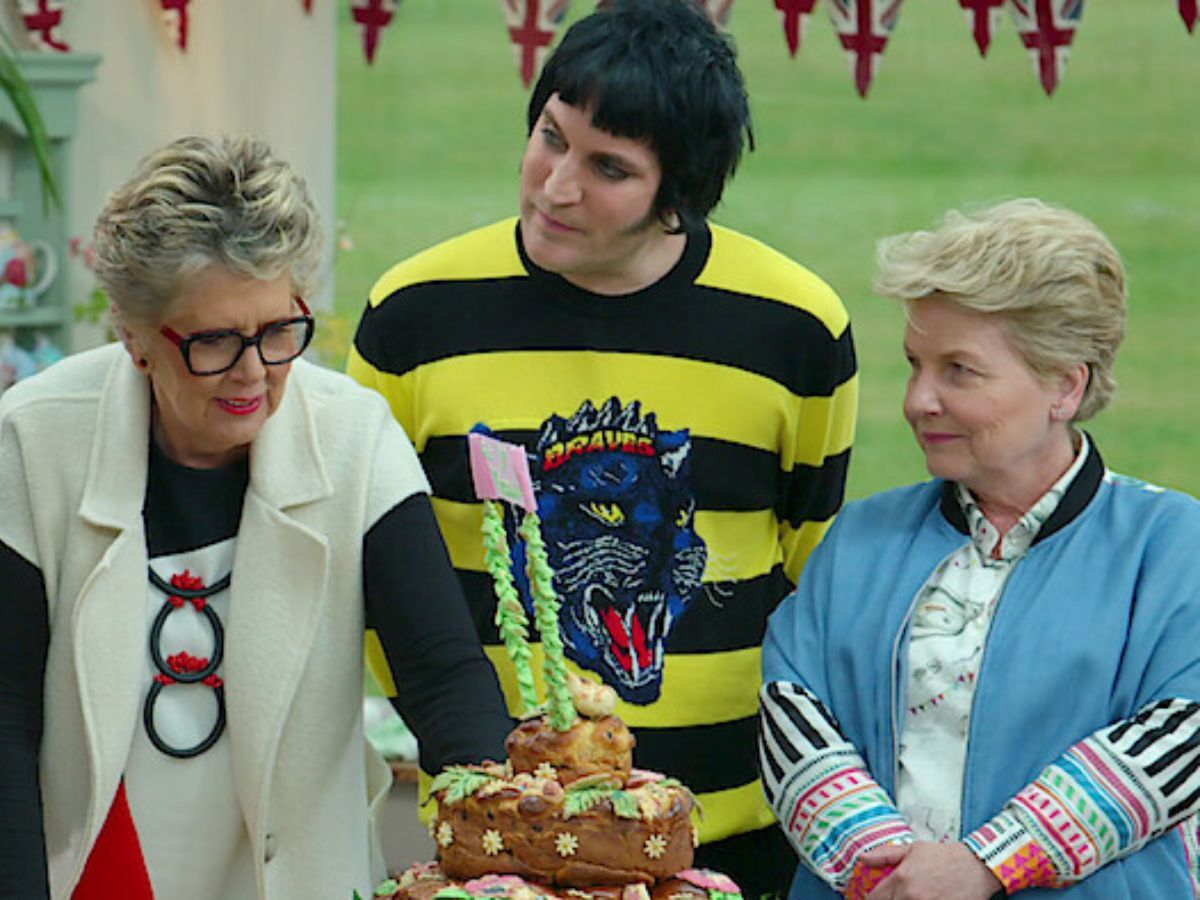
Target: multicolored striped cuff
{"x":1008,"y":849}
{"x":840,"y":812}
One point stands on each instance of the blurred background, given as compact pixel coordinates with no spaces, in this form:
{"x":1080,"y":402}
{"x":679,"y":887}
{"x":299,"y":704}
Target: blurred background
{"x":429,"y":139}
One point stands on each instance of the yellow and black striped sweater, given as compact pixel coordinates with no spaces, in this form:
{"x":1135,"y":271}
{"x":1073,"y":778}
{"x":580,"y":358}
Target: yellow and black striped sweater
{"x":689,"y":444}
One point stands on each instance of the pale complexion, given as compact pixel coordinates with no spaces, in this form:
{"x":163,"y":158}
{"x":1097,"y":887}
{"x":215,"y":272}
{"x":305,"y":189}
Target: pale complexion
{"x":204,"y":421}
{"x":981,"y":415}
{"x":929,"y":871}
{"x":587,"y":204}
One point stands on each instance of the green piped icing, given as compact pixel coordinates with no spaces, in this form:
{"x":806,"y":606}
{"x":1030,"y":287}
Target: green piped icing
{"x":561,"y":708}
{"x":510,"y":614}
{"x":388,"y":888}
{"x":459,"y":782}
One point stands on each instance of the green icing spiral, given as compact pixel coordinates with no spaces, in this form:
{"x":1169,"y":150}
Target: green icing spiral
{"x":545,"y":607}
{"x":510,"y":614}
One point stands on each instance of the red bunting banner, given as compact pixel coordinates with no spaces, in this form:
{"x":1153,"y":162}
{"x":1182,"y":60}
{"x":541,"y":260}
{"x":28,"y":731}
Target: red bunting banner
{"x":532,"y":25}
{"x":718,"y":10}
{"x":175,"y":17}
{"x":864,"y":27}
{"x":42,"y":20}
{"x":1047,"y":28}
{"x":795,"y":15}
{"x":984,"y":18}
{"x":307,"y":6}
{"x":1187,"y":10}
{"x":372,"y":16}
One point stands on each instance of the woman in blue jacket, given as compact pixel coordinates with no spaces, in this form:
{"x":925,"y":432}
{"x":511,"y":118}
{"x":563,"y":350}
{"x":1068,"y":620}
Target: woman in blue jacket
{"x":987,"y":683}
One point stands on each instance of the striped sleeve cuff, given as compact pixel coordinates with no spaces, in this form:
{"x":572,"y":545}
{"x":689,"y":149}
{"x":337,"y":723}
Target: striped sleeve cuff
{"x":1013,"y":855}
{"x":830,"y":807}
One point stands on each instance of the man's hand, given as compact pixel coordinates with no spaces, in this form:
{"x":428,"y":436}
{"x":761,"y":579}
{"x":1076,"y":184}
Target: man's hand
{"x":929,"y":871}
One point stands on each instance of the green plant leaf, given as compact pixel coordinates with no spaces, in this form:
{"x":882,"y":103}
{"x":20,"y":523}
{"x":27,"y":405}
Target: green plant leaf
{"x":16,"y":88}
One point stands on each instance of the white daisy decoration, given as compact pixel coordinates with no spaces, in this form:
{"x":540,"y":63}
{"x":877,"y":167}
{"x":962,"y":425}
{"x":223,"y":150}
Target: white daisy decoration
{"x":445,"y":834}
{"x":545,"y":770}
{"x":655,"y":846}
{"x":493,"y":843}
{"x":431,"y":827}
{"x":566,"y":844}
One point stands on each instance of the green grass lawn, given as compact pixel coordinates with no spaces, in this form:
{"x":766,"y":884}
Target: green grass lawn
{"x":430,"y":137}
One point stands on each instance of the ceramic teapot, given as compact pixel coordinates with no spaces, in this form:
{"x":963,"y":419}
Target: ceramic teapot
{"x":27,"y":269}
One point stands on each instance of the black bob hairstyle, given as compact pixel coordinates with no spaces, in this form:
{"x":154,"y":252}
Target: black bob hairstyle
{"x":658,"y":71}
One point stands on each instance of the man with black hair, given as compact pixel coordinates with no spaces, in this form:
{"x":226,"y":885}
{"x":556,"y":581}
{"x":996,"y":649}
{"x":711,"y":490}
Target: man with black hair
{"x":686,"y":395}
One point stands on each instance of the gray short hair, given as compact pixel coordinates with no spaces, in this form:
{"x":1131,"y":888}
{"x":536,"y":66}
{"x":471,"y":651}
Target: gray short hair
{"x":1053,"y":276}
{"x":199,"y":202}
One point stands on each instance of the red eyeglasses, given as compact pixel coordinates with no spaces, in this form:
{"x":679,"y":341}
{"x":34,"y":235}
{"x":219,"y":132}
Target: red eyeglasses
{"x":214,"y":352}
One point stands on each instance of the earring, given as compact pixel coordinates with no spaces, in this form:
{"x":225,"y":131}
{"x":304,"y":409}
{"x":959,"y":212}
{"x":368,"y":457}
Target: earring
{"x":142,"y":363}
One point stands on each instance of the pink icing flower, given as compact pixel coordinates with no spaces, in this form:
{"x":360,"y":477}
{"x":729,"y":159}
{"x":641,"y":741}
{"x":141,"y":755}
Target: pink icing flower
{"x":709,"y":880}
{"x":495,"y":885}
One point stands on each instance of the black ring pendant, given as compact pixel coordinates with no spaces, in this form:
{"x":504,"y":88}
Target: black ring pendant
{"x":186,"y":752}
{"x":171,"y":676}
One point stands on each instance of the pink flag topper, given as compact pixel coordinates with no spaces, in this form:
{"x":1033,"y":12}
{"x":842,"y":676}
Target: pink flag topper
{"x":500,"y":471}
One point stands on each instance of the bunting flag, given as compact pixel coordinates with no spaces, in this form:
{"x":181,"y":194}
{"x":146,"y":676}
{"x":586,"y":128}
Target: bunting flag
{"x":1187,"y":10}
{"x":718,"y":10}
{"x":42,"y":19}
{"x":307,"y":6}
{"x":984,"y":18}
{"x":373,"y":16}
{"x":795,"y":15}
{"x":175,"y":17}
{"x":1047,"y":28}
{"x":532,"y":25}
{"x":864,"y":27}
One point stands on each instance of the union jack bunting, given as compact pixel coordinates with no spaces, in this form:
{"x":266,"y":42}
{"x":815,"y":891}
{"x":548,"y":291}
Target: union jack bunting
{"x":1187,"y":10}
{"x":532,"y":25}
{"x":984,"y":18}
{"x":1047,"y":28}
{"x":372,"y":16}
{"x":795,"y":15}
{"x":864,"y":27}
{"x":718,"y":10}
{"x":42,"y":19}
{"x":175,"y":17}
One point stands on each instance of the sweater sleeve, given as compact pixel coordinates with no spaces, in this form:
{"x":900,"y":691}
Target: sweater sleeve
{"x":24,"y":638}
{"x":1103,"y":799}
{"x":830,"y":807}
{"x":813,"y":488}
{"x":447,"y":691}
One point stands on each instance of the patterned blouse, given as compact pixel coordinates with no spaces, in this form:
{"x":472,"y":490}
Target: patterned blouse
{"x":950,"y":624}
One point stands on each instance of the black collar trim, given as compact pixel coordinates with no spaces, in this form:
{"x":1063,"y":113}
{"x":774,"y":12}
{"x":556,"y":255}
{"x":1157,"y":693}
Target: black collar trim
{"x":1076,"y":499}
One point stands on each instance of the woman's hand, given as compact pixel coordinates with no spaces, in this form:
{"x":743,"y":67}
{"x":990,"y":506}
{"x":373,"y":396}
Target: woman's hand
{"x":929,"y":871}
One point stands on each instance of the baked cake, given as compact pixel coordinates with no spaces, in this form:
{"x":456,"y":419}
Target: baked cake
{"x":566,"y":815}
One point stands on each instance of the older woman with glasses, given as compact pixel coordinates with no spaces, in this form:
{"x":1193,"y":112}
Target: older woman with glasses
{"x":196,"y":528}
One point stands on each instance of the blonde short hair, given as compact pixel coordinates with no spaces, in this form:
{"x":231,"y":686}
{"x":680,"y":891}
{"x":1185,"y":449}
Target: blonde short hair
{"x":199,"y":202}
{"x":1053,"y":276}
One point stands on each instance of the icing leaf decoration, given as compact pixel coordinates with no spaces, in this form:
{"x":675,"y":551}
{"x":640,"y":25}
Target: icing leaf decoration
{"x":388,"y":888}
{"x":459,"y":783}
{"x":452,"y":893}
{"x":580,"y":801}
{"x":626,"y":805}
{"x":596,"y":780}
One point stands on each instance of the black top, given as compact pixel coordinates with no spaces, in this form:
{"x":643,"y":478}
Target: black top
{"x":448,"y":692}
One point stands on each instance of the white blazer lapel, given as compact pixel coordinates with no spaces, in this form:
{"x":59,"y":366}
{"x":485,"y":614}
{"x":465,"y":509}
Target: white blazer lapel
{"x":108,"y":631}
{"x":277,"y":596}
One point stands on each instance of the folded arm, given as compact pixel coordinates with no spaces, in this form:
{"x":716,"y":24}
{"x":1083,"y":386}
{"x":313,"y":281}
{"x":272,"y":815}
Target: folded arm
{"x":1103,"y":799}
{"x":832,"y":810}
